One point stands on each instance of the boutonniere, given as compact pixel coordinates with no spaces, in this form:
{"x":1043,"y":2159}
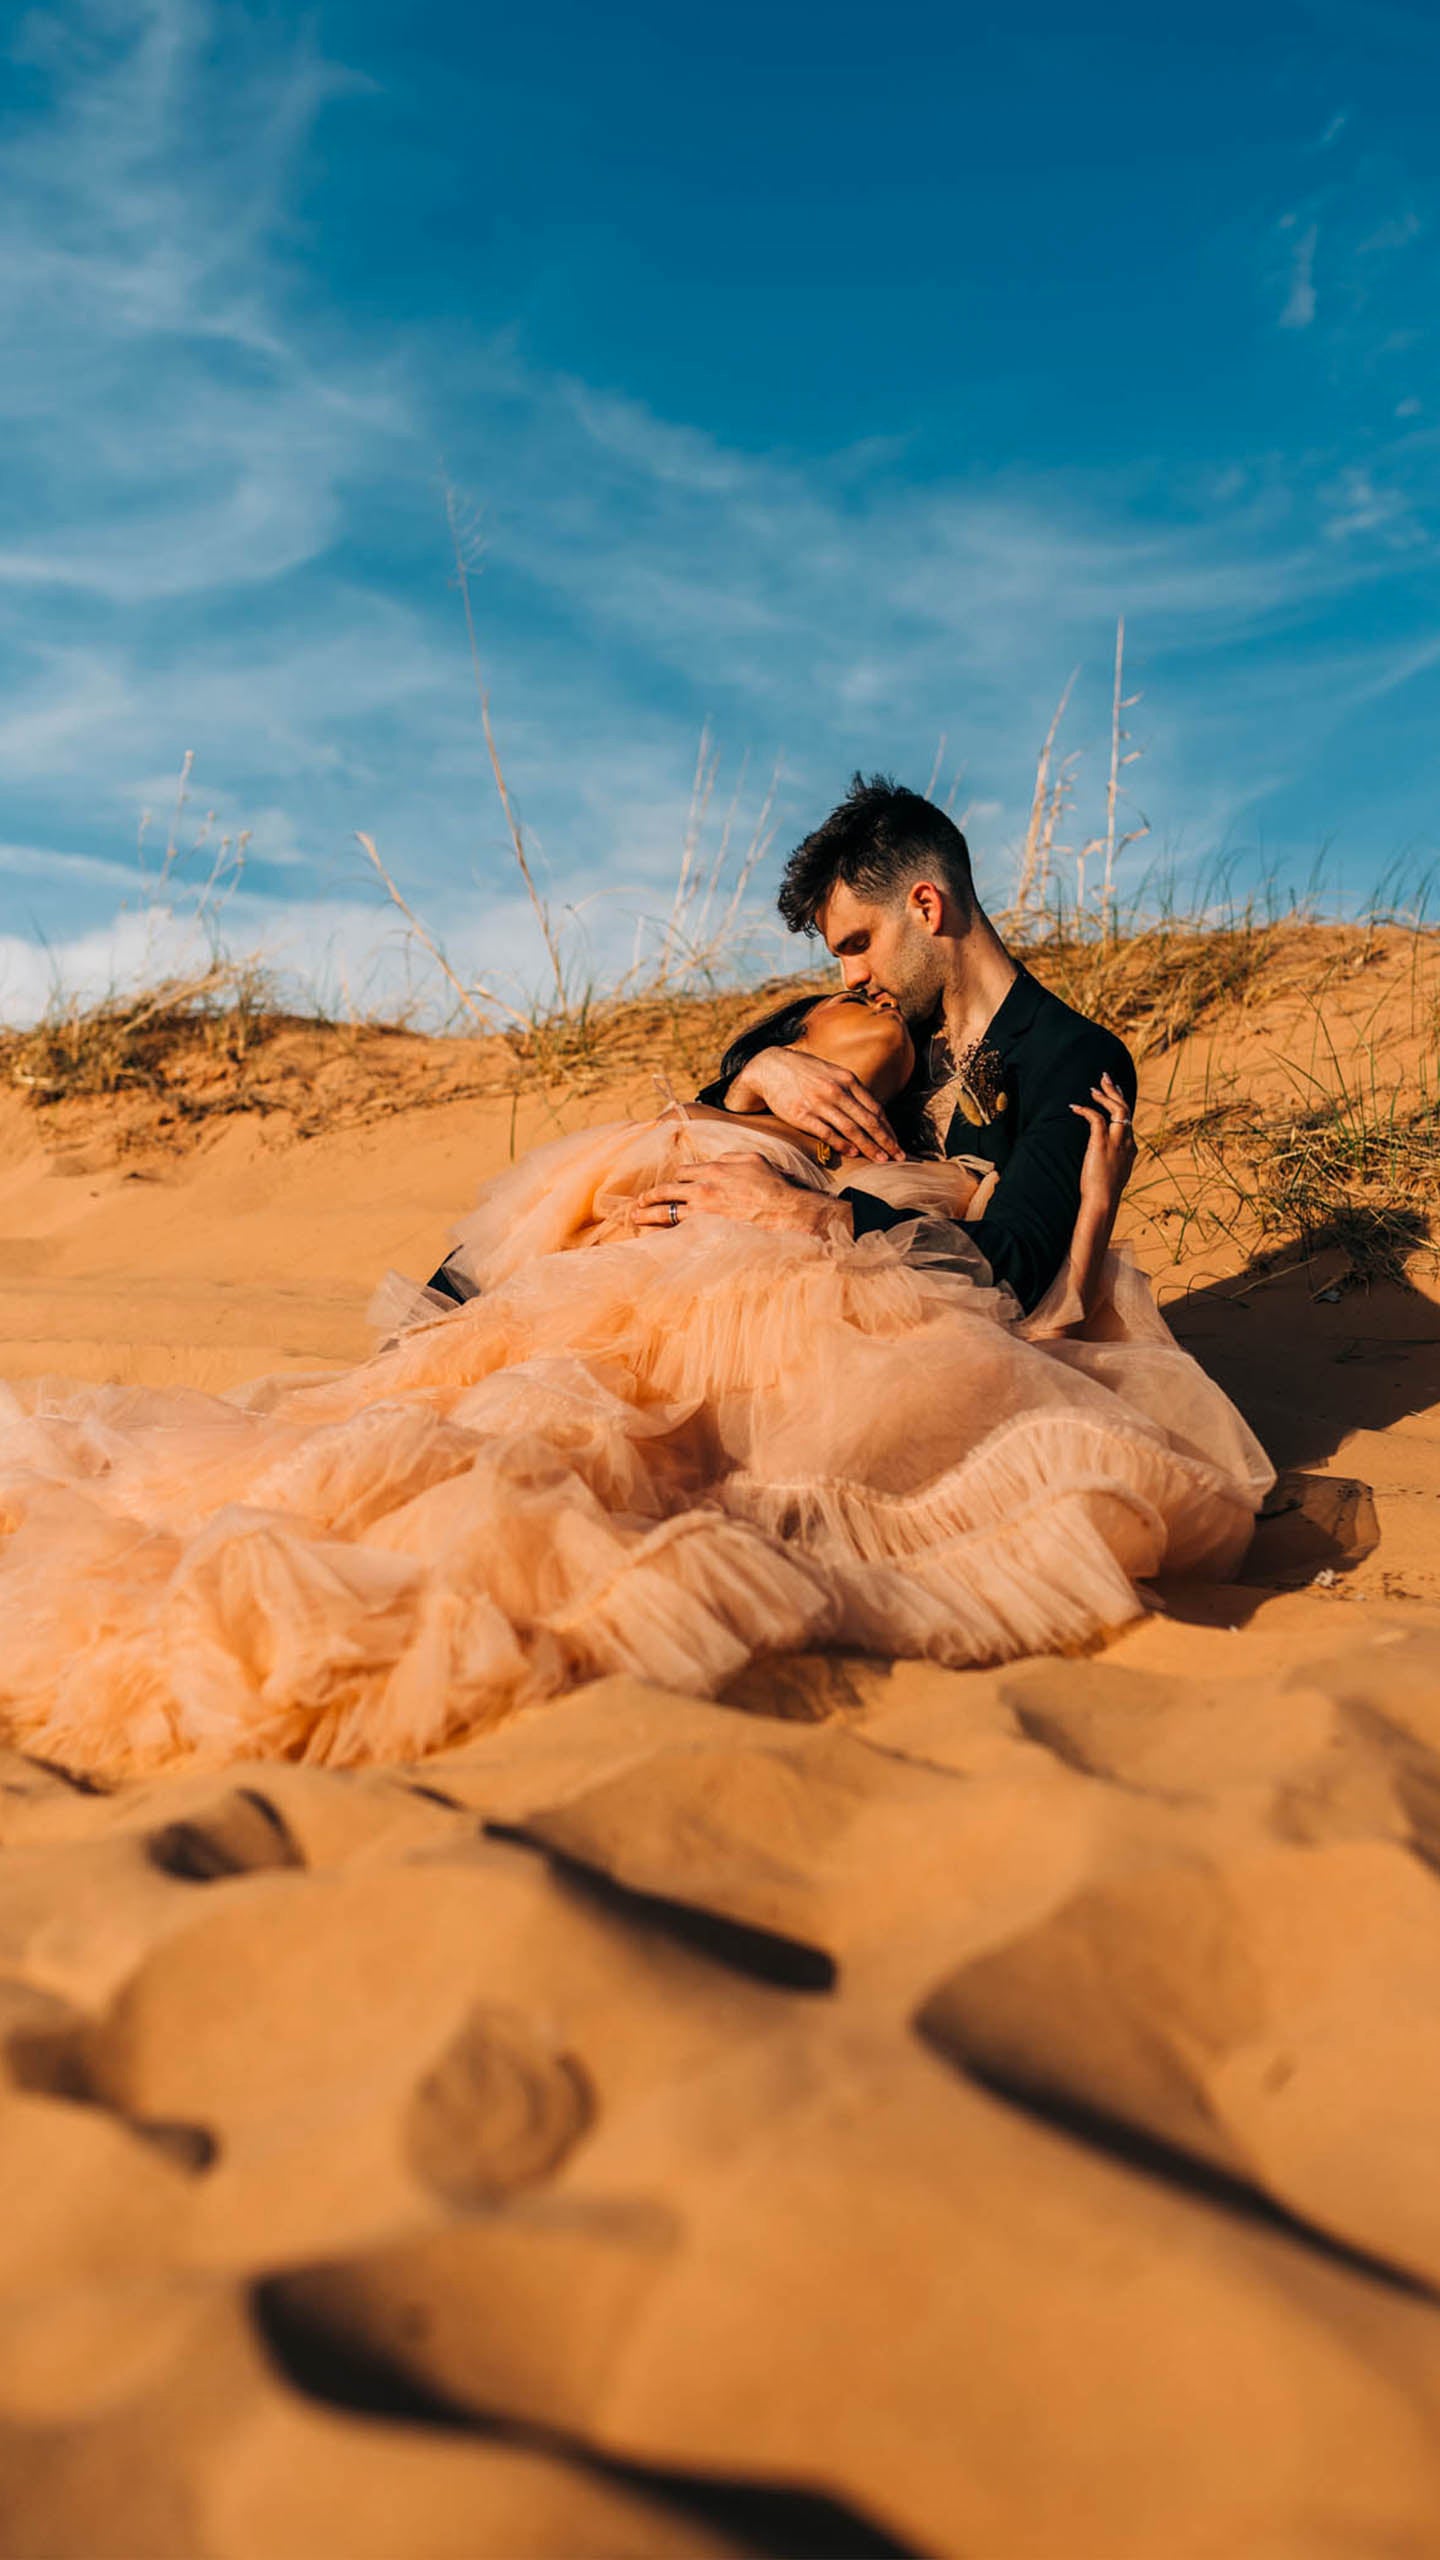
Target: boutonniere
{"x":972,"y":1084}
{"x":980,"y":1084}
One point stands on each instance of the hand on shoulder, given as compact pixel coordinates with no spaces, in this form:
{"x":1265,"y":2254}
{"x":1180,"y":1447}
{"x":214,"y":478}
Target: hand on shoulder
{"x":1110,"y":1150}
{"x":831,"y":1083}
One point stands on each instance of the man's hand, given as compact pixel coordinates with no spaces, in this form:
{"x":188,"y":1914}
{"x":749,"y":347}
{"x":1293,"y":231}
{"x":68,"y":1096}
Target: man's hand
{"x":745,"y":1187}
{"x":824,"y":1100}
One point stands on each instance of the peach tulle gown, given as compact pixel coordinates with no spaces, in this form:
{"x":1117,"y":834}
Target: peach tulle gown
{"x":661,"y":1451}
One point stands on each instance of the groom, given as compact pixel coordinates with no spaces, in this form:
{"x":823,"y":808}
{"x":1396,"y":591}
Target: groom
{"x":999,"y":1060}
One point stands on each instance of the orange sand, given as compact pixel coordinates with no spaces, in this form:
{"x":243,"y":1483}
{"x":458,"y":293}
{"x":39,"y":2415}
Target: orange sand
{"x":983,"y":2113}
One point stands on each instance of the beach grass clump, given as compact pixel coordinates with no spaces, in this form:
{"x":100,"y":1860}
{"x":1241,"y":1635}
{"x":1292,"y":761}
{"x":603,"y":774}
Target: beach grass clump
{"x":1156,"y":981}
{"x":1335,"y":1142}
{"x":1331,"y":1146}
{"x":134,"y":1042}
{"x":1344,"y":1176}
{"x":671,"y":1032}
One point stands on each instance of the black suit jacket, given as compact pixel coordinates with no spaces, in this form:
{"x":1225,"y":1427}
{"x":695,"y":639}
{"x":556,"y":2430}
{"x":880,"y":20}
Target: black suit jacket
{"x":1049,"y":1056}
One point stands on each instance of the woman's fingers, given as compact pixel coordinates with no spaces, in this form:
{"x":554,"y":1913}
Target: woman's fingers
{"x":1112,"y":1140}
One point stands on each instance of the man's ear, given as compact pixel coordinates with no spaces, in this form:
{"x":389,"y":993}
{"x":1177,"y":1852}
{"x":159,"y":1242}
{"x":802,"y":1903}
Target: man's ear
{"x":926,"y":903}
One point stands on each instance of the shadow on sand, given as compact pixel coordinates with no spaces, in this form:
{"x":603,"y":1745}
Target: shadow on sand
{"x":1309,"y":1360}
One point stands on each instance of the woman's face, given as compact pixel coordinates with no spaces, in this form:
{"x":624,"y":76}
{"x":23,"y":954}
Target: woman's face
{"x":869,"y":1037}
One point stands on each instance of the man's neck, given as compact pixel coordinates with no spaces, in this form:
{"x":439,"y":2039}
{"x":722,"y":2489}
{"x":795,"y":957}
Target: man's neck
{"x":982,"y":978}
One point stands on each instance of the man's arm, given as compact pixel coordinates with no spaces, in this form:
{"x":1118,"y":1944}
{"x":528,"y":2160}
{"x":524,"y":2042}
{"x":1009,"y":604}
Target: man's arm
{"x":1109,"y":1161}
{"x":820,"y":1096}
{"x":746,"y":1187}
{"x":1027,"y":1230}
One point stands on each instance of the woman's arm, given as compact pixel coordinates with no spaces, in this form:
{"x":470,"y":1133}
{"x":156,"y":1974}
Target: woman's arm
{"x":1109,"y":1158}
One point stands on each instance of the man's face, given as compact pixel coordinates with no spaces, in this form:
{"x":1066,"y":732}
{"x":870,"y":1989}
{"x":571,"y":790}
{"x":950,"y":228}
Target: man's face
{"x":889,"y":951}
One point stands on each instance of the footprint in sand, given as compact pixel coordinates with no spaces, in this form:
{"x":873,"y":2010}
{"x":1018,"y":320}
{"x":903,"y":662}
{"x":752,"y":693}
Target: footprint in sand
{"x":43,"y":2051}
{"x":241,"y":1835}
{"x":498,"y":2111}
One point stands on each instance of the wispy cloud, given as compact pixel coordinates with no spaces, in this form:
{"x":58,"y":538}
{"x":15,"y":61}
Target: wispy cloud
{"x":1299,"y":310}
{"x":198,"y":462}
{"x":1358,"y":505}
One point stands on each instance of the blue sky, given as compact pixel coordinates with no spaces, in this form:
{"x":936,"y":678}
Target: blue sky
{"x":832,"y":376}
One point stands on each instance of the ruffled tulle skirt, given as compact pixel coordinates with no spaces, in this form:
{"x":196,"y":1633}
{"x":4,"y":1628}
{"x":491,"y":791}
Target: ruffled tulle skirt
{"x":662,"y":1451}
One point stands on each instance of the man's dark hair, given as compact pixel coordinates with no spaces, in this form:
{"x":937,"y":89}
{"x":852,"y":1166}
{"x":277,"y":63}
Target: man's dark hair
{"x":879,"y":839}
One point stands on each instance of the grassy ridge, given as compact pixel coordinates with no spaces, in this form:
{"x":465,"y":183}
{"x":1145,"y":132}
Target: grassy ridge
{"x":1289,"y":1102}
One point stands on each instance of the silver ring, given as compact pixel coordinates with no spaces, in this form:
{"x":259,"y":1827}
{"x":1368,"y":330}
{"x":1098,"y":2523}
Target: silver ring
{"x":674,"y":1208}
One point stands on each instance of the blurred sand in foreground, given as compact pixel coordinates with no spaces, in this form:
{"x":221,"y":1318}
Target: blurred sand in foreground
{"x":982,"y":2113}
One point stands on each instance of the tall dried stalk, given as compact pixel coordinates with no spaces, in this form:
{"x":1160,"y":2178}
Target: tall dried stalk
{"x":1114,"y":845}
{"x":172,"y":841}
{"x":472,"y":998}
{"x":707,"y":765}
{"x":692,"y":942}
{"x":517,"y":838}
{"x":755,"y":853}
{"x":170,"y":892}
{"x":722,"y":850}
{"x":1060,"y":794}
{"x":1030,"y":892}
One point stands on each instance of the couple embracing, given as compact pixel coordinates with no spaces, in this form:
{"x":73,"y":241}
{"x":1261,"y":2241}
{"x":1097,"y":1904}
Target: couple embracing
{"x":838,"y":1355}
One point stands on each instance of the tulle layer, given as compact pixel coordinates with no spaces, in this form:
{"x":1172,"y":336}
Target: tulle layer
{"x":647,"y":1450}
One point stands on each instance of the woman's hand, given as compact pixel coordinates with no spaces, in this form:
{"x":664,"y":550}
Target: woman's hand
{"x":1075,"y":1294}
{"x":814,"y":1094}
{"x":1110,"y":1155}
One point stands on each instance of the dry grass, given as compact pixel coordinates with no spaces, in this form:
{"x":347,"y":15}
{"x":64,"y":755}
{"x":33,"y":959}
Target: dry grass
{"x":1286,"y":1068}
{"x":1334,"y":1147}
{"x":1156,"y":983}
{"x":127,"y":1044}
{"x":1353,"y":1180}
{"x":675,"y":1033}
{"x":168,"y":1065}
{"x":1363,"y":1186}
{"x":1310,"y":1131}
{"x":165,"y":1067}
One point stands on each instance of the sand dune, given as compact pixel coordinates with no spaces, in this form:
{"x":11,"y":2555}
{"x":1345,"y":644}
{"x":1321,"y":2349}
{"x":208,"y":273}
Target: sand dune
{"x":982,"y":2113}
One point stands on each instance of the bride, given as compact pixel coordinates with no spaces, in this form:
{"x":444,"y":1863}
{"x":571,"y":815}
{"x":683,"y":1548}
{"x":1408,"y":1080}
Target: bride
{"x":653,"y":1440}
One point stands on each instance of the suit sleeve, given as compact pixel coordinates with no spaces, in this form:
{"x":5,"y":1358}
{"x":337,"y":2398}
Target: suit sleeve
{"x":1025,"y":1233}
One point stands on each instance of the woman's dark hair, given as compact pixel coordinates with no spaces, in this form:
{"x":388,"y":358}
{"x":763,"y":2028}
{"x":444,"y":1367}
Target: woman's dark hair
{"x":776,"y":1031}
{"x":879,"y":839}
